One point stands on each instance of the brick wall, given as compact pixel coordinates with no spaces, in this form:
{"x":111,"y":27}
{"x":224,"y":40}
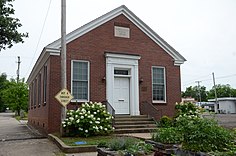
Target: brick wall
{"x":91,"y":47}
{"x":38,"y":114}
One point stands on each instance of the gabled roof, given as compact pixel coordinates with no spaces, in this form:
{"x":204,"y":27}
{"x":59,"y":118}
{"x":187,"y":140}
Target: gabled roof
{"x":178,"y":58}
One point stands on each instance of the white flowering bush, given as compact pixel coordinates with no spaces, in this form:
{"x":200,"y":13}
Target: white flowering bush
{"x":188,"y":109}
{"x":89,"y":120}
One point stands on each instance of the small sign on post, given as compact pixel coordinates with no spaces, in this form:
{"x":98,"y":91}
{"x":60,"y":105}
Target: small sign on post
{"x":64,"y":97}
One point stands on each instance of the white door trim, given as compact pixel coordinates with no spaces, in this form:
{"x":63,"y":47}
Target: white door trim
{"x":128,"y":62}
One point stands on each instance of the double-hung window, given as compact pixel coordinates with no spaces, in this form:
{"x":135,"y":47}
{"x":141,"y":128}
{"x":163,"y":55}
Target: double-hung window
{"x":80,"y":80}
{"x":158,"y":85}
{"x":39,"y":90}
{"x":45,"y":75}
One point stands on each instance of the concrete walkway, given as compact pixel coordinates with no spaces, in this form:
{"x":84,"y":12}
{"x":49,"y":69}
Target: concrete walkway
{"x":11,"y":129}
{"x":143,"y":136}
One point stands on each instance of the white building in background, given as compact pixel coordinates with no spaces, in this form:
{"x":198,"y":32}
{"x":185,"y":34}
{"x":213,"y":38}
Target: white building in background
{"x":189,"y":99}
{"x":226,"y":105}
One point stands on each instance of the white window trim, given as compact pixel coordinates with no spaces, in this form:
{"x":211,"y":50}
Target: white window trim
{"x":159,"y":101}
{"x":80,"y":100}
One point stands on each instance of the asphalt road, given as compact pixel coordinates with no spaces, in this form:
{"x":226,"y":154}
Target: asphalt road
{"x":16,"y":139}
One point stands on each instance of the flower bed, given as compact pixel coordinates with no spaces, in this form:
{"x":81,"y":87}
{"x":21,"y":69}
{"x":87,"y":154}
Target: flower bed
{"x":125,"y":146}
{"x":196,"y":135}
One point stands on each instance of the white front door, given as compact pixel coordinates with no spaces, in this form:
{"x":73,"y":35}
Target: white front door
{"x":121,"y":101}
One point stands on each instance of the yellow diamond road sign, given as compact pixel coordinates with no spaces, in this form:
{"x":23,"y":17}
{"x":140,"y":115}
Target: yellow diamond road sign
{"x":64,"y":97}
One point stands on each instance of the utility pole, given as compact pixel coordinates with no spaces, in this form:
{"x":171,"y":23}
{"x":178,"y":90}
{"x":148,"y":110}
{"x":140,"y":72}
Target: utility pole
{"x":199,"y":91}
{"x":63,"y":56}
{"x":216,"y":101}
{"x":18,"y":69}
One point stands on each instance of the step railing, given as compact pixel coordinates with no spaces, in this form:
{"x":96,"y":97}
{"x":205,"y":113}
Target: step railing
{"x":111,"y":110}
{"x":148,"y":109}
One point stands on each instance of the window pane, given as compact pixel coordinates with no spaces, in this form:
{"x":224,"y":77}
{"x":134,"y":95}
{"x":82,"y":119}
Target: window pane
{"x":80,"y":70}
{"x":158,"y":84}
{"x":158,"y":92}
{"x":80,"y":90}
{"x":158,"y":75}
{"x":80,"y":80}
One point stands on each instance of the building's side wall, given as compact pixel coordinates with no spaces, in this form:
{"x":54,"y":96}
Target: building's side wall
{"x":38,"y":109}
{"x":227,"y":106}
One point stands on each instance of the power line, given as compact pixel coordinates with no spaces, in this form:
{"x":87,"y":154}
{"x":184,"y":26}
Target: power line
{"x":40,"y":36}
{"x":204,"y":80}
{"x":223,"y":77}
{"x":193,"y":80}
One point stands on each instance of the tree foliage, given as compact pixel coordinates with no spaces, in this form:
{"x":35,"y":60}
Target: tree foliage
{"x":9,"y":26}
{"x":221,"y":90}
{"x":3,"y":86}
{"x":16,"y":95}
{"x":194,"y":93}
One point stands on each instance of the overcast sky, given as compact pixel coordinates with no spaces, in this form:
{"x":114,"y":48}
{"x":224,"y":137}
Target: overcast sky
{"x":203,"y":31}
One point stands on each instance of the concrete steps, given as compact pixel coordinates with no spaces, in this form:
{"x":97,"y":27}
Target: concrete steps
{"x":133,"y":124}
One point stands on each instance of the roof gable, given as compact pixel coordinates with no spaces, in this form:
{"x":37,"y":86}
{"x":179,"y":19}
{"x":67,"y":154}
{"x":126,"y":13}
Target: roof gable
{"x":178,"y":58}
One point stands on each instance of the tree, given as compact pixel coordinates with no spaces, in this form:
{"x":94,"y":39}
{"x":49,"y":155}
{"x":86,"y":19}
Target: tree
{"x":194,"y":93}
{"x":3,"y":86}
{"x":222,"y":91}
{"x":16,"y":95}
{"x":9,"y":26}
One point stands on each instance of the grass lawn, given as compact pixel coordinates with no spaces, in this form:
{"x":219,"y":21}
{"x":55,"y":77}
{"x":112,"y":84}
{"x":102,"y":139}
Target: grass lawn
{"x":19,"y":118}
{"x":95,"y":140}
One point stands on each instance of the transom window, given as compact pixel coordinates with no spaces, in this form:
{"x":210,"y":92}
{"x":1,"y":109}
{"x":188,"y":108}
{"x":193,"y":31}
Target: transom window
{"x":80,"y":80}
{"x":158,"y":84}
{"x":121,"y":72}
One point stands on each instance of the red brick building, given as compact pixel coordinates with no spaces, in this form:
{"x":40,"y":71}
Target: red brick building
{"x":115,"y":57}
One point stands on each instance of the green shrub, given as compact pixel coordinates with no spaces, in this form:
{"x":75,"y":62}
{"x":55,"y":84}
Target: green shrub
{"x":205,"y":135}
{"x":131,"y":146}
{"x":140,"y":148}
{"x":121,"y":143}
{"x":169,"y":135}
{"x":89,"y":120}
{"x":165,"y":121}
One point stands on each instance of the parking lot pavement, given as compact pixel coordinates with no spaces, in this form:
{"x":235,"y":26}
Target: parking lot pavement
{"x":225,"y":120}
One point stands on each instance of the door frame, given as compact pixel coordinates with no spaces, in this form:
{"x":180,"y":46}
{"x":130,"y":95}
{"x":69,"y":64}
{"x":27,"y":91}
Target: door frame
{"x":127,"y":62}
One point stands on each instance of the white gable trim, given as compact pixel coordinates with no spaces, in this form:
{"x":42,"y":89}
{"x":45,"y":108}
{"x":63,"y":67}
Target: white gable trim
{"x":178,"y":58}
{"x":41,"y":62}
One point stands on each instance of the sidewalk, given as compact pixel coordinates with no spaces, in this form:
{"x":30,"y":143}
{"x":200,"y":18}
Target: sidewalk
{"x":143,"y":136}
{"x":17,"y":139}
